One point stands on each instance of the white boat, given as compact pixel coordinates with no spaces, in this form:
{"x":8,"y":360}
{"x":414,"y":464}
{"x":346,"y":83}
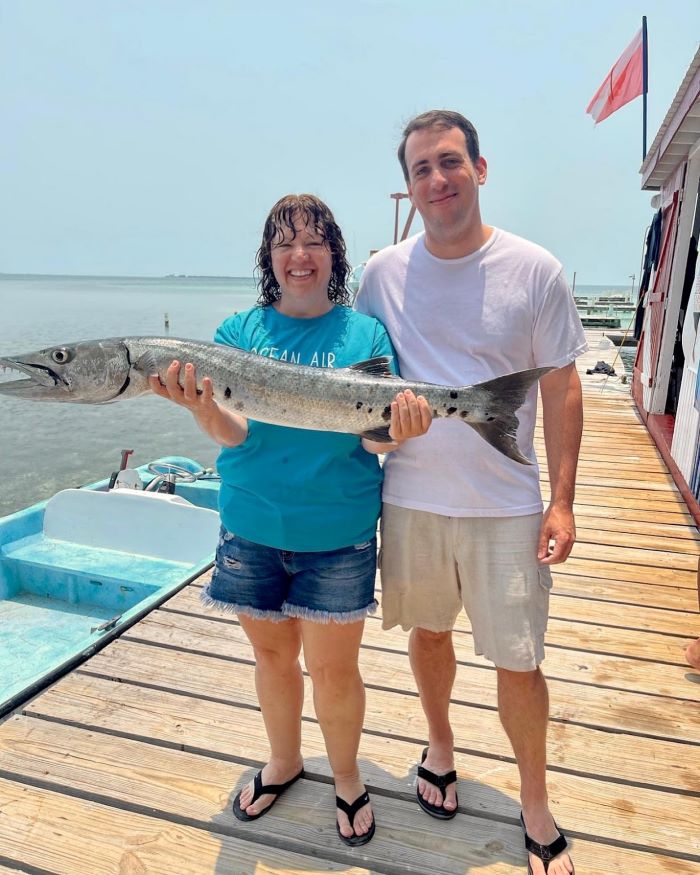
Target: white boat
{"x":78,"y":569}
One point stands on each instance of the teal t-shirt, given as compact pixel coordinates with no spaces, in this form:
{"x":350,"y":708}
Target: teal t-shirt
{"x":291,"y":488}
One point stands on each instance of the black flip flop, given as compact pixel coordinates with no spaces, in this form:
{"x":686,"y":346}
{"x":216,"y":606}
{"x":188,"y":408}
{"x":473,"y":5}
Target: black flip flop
{"x":354,"y":841}
{"x":546,"y":853}
{"x":260,"y":789}
{"x":441,"y":782}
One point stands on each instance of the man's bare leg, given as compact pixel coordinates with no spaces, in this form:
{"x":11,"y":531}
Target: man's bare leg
{"x":434,"y":667}
{"x":523,"y":706}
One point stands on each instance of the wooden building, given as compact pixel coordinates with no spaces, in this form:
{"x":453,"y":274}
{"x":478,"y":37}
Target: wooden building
{"x":665,"y":386}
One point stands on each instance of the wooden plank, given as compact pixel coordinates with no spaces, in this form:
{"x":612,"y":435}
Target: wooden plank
{"x":587,"y":531}
{"x":660,"y":492}
{"x":611,"y":474}
{"x":674,"y":519}
{"x":599,"y":519}
{"x":623,"y":571}
{"x":396,"y":713}
{"x":198,"y":787}
{"x":666,"y":502}
{"x":476,"y":681}
{"x":643,"y":461}
{"x":621,"y":556}
{"x":54,"y":832}
{"x":625,"y":616}
{"x":627,"y":592}
{"x":623,"y":642}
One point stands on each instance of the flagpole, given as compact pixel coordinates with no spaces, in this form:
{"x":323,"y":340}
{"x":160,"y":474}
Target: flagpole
{"x":645,"y":83}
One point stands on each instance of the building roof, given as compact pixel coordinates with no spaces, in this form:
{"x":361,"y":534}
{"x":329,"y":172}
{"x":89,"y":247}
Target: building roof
{"x":679,"y":131}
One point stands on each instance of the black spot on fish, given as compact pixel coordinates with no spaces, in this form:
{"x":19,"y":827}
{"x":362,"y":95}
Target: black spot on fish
{"x":239,"y":405}
{"x":369,"y":410}
{"x":358,"y":406}
{"x":464,"y":413}
{"x":200,"y":391}
{"x":227,"y":393}
{"x":490,"y":418}
{"x":386,"y":413}
{"x":451,"y":410}
{"x":454,"y":394}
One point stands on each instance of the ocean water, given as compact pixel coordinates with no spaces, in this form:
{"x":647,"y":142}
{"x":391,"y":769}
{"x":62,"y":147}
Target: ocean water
{"x":46,"y":447}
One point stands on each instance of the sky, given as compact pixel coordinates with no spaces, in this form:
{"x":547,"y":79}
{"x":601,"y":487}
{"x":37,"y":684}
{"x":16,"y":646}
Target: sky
{"x":151,"y":137}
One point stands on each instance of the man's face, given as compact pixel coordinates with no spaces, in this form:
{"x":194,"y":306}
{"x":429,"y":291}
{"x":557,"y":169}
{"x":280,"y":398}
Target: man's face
{"x":443,"y":182}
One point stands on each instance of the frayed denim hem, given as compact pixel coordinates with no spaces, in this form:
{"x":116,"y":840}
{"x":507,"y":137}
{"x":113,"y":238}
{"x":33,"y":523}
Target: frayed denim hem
{"x":232,"y":608}
{"x":301,"y":613}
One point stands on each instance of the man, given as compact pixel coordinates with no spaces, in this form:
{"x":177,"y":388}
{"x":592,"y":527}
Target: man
{"x":462,"y":525}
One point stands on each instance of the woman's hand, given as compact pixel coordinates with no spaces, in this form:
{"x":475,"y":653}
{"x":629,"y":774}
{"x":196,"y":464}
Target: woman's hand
{"x":200,"y":402}
{"x":226,"y":428}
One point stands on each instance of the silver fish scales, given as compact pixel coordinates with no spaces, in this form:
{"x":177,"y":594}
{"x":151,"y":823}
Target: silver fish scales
{"x":355,"y":400}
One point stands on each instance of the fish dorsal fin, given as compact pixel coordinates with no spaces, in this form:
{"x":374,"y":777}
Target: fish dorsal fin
{"x":146,"y":363}
{"x":379,"y":366}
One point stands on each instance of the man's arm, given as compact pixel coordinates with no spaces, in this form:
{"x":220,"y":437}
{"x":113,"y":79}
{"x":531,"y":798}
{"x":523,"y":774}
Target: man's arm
{"x":562,"y":411}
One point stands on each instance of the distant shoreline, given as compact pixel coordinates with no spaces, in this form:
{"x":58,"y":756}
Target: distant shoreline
{"x":97,"y":276}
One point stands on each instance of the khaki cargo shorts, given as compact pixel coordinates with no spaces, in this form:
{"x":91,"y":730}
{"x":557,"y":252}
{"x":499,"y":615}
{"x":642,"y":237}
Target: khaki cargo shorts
{"x":433,"y":565}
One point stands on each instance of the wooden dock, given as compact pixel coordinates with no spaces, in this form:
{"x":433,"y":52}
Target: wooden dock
{"x":129,"y":764}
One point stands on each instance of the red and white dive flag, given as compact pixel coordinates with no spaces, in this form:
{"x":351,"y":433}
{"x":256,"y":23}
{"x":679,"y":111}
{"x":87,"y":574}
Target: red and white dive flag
{"x":623,"y":83}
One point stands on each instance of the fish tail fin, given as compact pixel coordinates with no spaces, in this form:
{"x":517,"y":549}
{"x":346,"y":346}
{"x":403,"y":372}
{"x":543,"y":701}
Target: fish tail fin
{"x":507,"y":394}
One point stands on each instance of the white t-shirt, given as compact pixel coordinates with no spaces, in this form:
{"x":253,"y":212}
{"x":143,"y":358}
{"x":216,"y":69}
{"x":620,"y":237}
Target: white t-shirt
{"x":504,"y":308}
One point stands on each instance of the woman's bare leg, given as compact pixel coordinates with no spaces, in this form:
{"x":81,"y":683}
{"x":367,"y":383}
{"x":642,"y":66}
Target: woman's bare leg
{"x":331,"y":653}
{"x":280,"y":688}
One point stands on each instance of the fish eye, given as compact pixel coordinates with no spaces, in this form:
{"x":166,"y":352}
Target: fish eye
{"x":61,"y":356}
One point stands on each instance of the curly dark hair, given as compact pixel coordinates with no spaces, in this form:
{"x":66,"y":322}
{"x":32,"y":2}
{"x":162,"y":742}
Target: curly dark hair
{"x":313,"y":212}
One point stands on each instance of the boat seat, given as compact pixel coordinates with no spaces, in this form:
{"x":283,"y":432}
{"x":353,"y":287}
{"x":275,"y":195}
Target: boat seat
{"x":129,"y":521}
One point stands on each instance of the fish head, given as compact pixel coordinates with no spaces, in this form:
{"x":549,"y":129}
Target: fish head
{"x":87,"y":372}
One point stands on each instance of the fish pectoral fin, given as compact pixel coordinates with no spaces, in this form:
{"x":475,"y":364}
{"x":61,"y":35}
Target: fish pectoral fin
{"x":501,"y":435}
{"x":146,"y":364}
{"x":380,"y":435}
{"x":379,"y":366}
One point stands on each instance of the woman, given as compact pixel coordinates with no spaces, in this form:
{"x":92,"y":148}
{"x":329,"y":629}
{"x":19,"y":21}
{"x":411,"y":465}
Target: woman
{"x":297,"y":556}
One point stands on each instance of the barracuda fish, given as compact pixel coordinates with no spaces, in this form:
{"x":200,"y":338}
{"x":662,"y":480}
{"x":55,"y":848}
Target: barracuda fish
{"x":355,"y":400}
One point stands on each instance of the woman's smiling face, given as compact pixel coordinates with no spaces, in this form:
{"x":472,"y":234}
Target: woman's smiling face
{"x":302,"y":265}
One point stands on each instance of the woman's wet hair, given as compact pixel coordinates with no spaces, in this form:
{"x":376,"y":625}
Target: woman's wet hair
{"x":312,"y":211}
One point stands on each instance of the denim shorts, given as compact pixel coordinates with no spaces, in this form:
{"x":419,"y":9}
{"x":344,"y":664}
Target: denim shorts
{"x":271,"y":584}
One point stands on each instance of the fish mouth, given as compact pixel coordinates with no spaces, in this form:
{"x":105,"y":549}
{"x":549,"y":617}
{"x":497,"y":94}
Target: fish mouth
{"x":34,"y":379}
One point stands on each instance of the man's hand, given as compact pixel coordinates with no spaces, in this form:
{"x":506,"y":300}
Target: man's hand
{"x":557,"y":535}
{"x":410,"y":416}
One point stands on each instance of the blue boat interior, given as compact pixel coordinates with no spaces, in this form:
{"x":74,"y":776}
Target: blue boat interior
{"x":78,"y":569}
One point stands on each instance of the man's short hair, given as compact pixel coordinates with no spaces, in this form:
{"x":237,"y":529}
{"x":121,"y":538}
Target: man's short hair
{"x":442,"y":119}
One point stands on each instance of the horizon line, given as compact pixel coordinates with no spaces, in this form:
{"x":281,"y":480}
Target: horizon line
{"x":125,"y":276}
